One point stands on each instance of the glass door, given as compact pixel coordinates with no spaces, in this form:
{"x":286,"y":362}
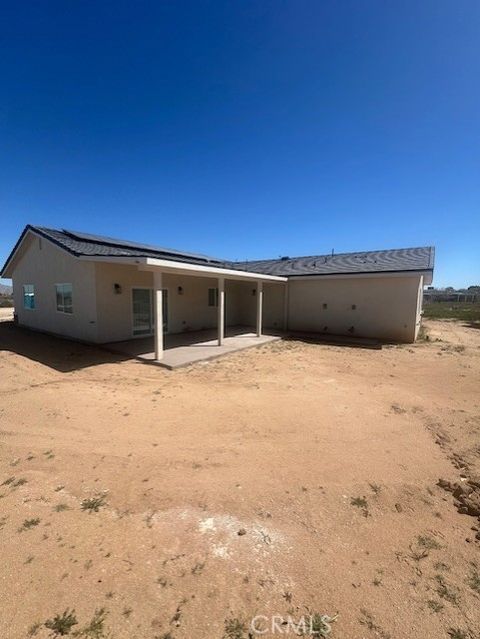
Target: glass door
{"x":142,"y":311}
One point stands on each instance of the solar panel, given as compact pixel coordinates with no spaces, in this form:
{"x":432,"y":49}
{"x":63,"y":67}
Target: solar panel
{"x":101,"y":239}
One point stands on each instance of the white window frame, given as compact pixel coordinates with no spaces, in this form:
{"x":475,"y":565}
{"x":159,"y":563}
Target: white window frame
{"x":30,"y":294}
{"x":215,"y":297}
{"x":59,"y":310}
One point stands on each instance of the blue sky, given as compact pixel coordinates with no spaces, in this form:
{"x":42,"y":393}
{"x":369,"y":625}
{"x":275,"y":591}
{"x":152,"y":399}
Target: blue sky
{"x":246,"y":129}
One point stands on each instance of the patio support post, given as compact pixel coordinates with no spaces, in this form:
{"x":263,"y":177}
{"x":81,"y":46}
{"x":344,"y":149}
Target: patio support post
{"x":158,"y":313}
{"x":259,"y":307}
{"x":221,"y":310}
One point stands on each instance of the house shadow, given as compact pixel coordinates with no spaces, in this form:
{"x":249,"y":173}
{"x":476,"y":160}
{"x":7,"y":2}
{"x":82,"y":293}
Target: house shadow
{"x":472,"y":324}
{"x":328,"y":339}
{"x":61,"y":354}
{"x":65,"y":355}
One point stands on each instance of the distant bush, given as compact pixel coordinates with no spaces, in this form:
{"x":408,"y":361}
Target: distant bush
{"x":466,"y":312}
{"x":6,"y":302}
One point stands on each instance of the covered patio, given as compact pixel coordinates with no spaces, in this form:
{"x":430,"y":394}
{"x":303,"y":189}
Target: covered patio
{"x":193,"y":347}
{"x":186,"y":313}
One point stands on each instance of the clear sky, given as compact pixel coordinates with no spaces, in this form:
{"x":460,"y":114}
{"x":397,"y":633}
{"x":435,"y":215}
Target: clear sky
{"x":246,"y":129}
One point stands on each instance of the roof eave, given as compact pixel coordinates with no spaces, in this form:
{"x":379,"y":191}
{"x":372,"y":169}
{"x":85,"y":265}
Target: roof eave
{"x":206,"y":271}
{"x":393,"y":273}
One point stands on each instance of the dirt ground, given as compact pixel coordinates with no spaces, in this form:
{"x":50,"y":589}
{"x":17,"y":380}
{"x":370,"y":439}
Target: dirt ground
{"x":287,"y":480}
{"x":6,"y":314}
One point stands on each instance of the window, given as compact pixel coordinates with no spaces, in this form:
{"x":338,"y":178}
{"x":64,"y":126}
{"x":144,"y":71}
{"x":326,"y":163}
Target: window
{"x":64,"y":298}
{"x":28,"y":296}
{"x":213,"y":296}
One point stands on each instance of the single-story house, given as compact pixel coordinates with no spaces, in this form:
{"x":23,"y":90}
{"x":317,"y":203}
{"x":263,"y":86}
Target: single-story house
{"x":100,"y":290}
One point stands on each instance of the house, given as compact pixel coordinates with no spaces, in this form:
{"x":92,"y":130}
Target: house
{"x":100,"y":289}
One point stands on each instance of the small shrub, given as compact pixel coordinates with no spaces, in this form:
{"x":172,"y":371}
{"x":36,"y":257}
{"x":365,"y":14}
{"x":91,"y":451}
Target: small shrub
{"x":61,"y":625}
{"x":436,"y":606}
{"x":418,"y":555}
{"x":95,"y":628}
{"x":428,"y":542}
{"x":59,"y":508}
{"x":93,"y":504}
{"x":376,"y":488}
{"x":444,"y":591}
{"x":360,"y":502}
{"x":368,"y":620}
{"x":29,"y":523}
{"x":320,"y":624}
{"x":398,"y":410}
{"x":474,"y":581}
{"x":235,"y":629}
{"x":456,"y":633}
{"x":34,"y":628}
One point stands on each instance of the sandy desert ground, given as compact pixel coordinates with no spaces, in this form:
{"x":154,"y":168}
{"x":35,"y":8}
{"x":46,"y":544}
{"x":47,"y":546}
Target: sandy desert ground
{"x":292,"y":479}
{"x":6,"y":314}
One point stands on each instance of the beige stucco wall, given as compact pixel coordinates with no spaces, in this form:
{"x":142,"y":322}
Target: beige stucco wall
{"x":386,"y":307}
{"x":114,"y":311}
{"x":418,"y":319}
{"x":240,"y":295}
{"x":241,"y":303}
{"x":42,"y":264}
{"x":274,"y":305}
{"x":188,"y":311}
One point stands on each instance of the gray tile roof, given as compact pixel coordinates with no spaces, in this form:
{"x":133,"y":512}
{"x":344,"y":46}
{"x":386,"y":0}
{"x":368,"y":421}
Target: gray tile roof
{"x":385,"y":261}
{"x":394,"y":260}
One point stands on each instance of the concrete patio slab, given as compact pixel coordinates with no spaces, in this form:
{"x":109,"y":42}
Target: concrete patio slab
{"x":191,"y":348}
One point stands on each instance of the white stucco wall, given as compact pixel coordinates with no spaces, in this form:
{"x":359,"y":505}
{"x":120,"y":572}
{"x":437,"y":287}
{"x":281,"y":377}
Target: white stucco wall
{"x":42,"y":264}
{"x":386,"y":307}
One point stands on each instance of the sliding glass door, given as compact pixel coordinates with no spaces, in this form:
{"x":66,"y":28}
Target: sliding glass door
{"x":143,"y":313}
